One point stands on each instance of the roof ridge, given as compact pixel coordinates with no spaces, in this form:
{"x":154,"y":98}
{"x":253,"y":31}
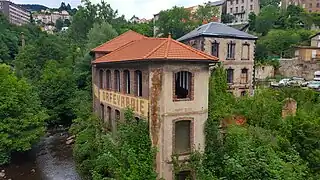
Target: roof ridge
{"x":196,"y":51}
{"x":167,"y":48}
{"x":117,"y":38}
{"x":156,"y":48}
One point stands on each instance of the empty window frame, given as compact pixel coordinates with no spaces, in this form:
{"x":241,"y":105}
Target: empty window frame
{"x":138,"y":80}
{"x":244,"y":76}
{"x":117,"y":115}
{"x":230,"y":75}
{"x":215,"y":49}
{"x":127,"y":82}
{"x":245,"y":51}
{"x":101,"y":79}
{"x":183,"y":80}
{"x":183,"y":175}
{"x":108,"y":79}
{"x":109,"y":118}
{"x":182,"y":137}
{"x":117,"y":80}
{"x":102,"y":112}
{"x":243,"y":93}
{"x":231,"y":50}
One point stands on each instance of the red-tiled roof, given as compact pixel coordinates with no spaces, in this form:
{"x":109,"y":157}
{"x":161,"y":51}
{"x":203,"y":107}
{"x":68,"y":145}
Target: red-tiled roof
{"x":119,"y":41}
{"x":155,"y":49}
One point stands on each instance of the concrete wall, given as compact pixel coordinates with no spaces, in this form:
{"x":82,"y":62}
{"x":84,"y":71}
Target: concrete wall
{"x":298,"y":67}
{"x":248,"y":6}
{"x":264,"y":71}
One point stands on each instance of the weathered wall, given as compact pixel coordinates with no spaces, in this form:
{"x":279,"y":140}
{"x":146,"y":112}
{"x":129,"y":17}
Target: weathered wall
{"x":195,"y":110}
{"x":264,"y":71}
{"x":297,"y":67}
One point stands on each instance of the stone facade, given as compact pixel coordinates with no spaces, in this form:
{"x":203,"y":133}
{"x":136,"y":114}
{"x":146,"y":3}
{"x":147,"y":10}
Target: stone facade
{"x":299,"y":68}
{"x":243,"y":59}
{"x":241,"y":9}
{"x":308,"y":5}
{"x":164,"y":110}
{"x":315,"y":41}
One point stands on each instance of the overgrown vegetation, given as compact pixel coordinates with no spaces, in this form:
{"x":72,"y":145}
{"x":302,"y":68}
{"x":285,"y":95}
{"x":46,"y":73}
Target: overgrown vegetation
{"x":127,"y":156}
{"x":264,"y":146}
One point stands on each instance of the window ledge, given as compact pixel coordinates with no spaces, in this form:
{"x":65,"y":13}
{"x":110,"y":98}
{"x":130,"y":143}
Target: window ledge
{"x":182,"y":99}
{"x":244,"y":59}
{"x":230,"y":59}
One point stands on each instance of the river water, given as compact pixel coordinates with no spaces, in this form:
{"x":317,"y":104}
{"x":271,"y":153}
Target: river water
{"x":51,"y":159}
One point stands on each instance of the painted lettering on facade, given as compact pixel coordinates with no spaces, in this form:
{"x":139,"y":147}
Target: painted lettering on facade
{"x":139,"y":106}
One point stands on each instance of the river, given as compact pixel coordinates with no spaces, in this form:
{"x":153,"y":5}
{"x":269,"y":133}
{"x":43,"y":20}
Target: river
{"x":50,"y":159}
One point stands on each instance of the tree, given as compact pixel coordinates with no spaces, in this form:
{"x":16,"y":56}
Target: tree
{"x":266,"y":19}
{"x":66,"y":23}
{"x":56,"y":89}
{"x":142,"y":28}
{"x":21,"y":115}
{"x":252,"y":21}
{"x":227,"y":18}
{"x":59,"y":24}
{"x":206,"y":13}
{"x":264,"y":3}
{"x":175,"y":21}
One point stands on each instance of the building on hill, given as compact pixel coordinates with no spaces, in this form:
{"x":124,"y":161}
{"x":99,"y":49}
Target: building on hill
{"x":15,"y":13}
{"x":165,"y":82}
{"x":241,"y":9}
{"x":234,"y":48}
{"x":46,"y":17}
{"x":308,"y":5}
{"x":309,"y":53}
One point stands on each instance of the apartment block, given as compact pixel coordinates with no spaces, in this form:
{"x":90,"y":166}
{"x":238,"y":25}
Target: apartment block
{"x":241,"y":9}
{"x":16,"y":14}
{"x":308,"y":5}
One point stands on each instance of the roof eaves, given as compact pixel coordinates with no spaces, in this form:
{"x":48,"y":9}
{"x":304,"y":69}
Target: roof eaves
{"x":200,"y":53}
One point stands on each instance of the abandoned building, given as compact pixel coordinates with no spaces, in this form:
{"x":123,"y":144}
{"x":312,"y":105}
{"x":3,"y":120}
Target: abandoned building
{"x":165,"y":82}
{"x":234,"y":48}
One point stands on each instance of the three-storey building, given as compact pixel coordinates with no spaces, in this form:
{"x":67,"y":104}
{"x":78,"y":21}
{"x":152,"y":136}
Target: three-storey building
{"x":16,"y":14}
{"x":165,"y":82}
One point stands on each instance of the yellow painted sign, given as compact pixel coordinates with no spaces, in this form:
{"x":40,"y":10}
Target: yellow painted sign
{"x":140,"y":106}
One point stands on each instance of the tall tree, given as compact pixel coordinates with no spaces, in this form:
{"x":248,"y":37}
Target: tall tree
{"x":21,"y":115}
{"x":59,"y":24}
{"x":266,"y":19}
{"x":206,"y":13}
{"x":176,"y":21}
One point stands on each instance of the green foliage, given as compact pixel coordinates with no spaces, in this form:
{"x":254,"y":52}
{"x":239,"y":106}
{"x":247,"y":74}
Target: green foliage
{"x":56,"y":89}
{"x":266,"y":19}
{"x":21,"y":115}
{"x":59,"y":24}
{"x":264,"y":3}
{"x":205,"y":13}
{"x":99,"y":34}
{"x":227,"y":18}
{"x":128,"y":156}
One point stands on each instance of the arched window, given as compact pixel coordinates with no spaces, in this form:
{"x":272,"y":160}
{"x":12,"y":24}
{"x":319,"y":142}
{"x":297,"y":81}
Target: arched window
{"x":231,"y":51}
{"x":244,"y":76}
{"x":109,"y":118}
{"x":126,"y":74}
{"x":117,"y":115}
{"x":117,"y":80}
{"x":108,"y":79}
{"x":102,"y":112}
{"x":183,"y":80}
{"x":230,"y":75}
{"x":245,"y":54}
{"x":215,"y":49}
{"x":182,"y":141}
{"x":243,"y":93}
{"x":101,"y":79}
{"x":138,"y":81}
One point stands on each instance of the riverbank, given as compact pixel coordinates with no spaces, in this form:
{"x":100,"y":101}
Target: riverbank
{"x":50,"y":159}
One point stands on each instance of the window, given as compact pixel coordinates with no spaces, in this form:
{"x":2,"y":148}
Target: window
{"x":126,"y":74}
{"x":117,"y":115}
{"x":318,"y":5}
{"x":243,"y":93}
{"x":230,"y":75}
{"x":242,"y":1}
{"x":102,"y":111}
{"x":242,"y":8}
{"x":230,"y":10}
{"x":138,"y":78}
{"x":108,"y":79}
{"x":236,"y":9}
{"x":251,"y":7}
{"x":244,"y":76}
{"x":231,"y":50}
{"x":215,"y":49}
{"x":182,"y":137}
{"x":183,"y":175}
{"x":237,"y":1}
{"x":101,"y":79}
{"x":245,"y":51}
{"x":231,"y":2}
{"x":117,"y":80}
{"x":109,"y":118}
{"x":182,"y":84}
{"x":310,"y":5}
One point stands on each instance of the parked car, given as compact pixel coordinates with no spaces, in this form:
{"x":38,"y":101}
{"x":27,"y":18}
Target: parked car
{"x":284,"y":82}
{"x":314,"y":85}
{"x":305,"y":84}
{"x":296,"y":81}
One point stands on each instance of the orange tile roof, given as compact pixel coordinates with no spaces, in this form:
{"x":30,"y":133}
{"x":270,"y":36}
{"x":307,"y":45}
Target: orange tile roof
{"x":119,"y":41}
{"x":155,"y":49}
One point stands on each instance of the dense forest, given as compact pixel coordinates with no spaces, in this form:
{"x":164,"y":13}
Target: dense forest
{"x":48,"y":83}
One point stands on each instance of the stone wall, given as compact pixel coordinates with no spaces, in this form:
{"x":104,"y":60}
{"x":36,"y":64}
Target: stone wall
{"x":299,"y":68}
{"x":264,"y":71}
